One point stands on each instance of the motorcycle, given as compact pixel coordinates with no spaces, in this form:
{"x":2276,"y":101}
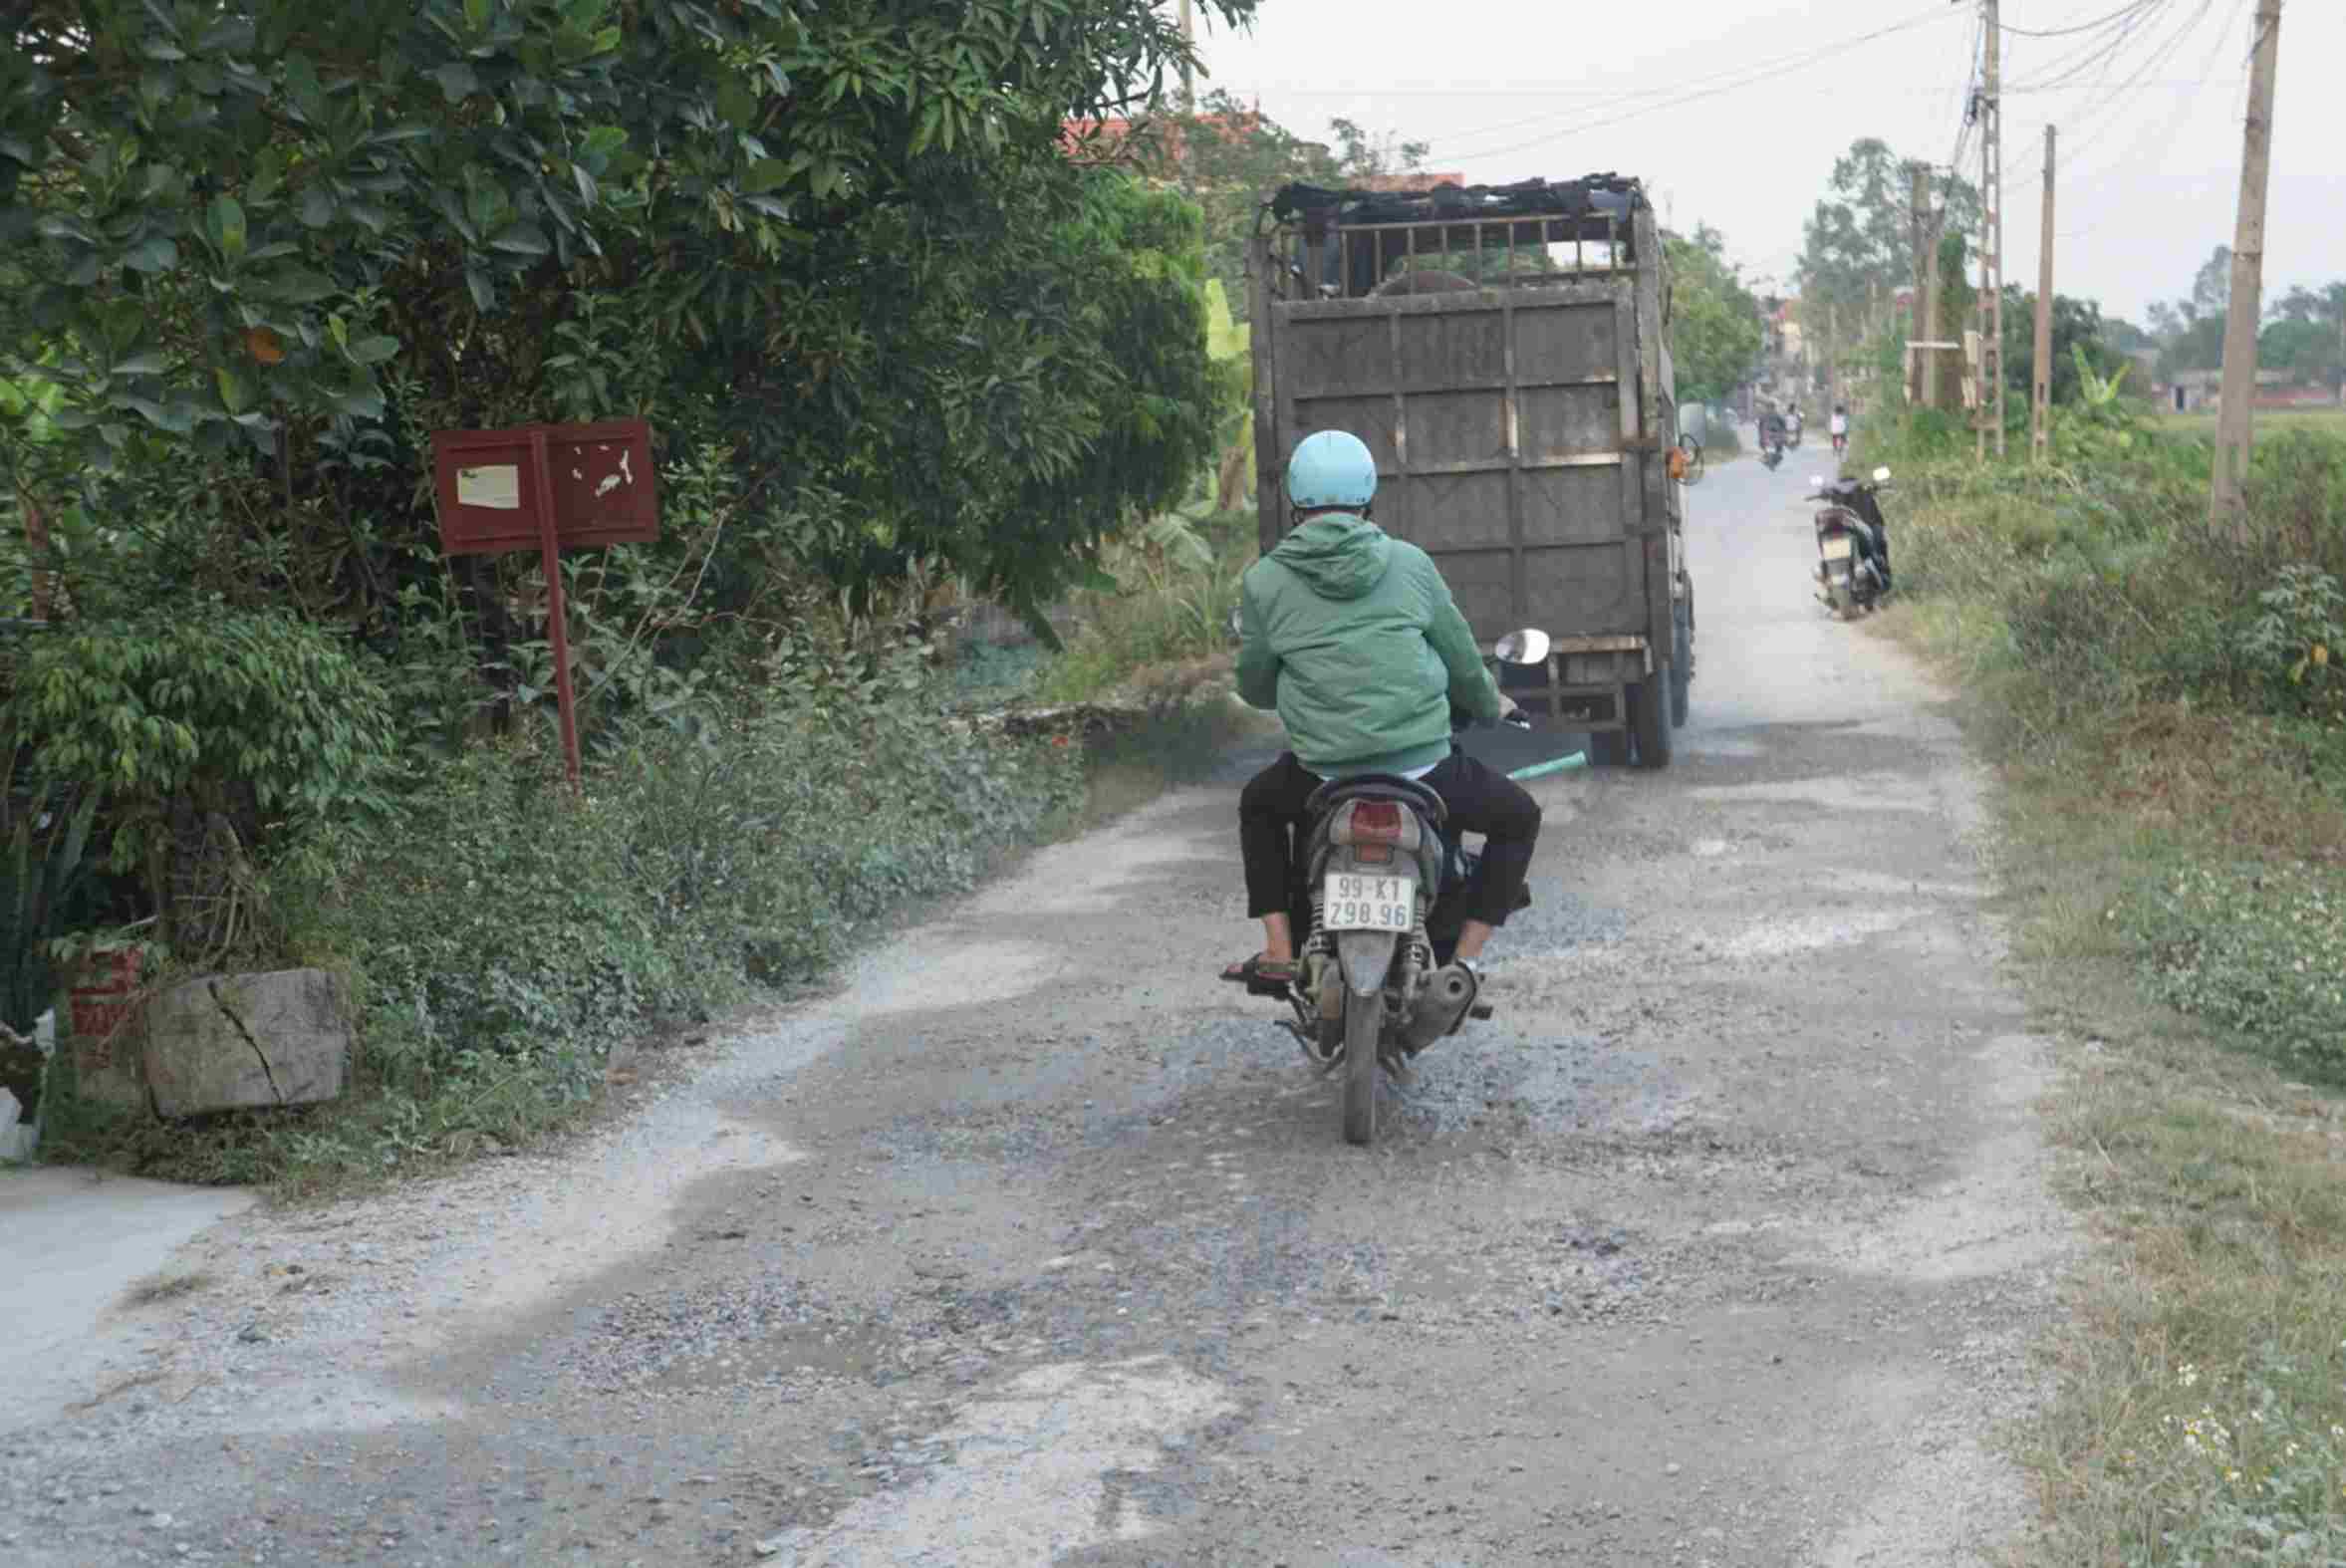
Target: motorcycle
{"x":1380,"y":892}
{"x":1852,"y":540}
{"x":1770,"y":454}
{"x":1840,"y":442}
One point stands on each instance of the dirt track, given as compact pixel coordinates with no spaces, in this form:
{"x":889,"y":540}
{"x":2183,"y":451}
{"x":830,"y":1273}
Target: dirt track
{"x":1037,"y":1244}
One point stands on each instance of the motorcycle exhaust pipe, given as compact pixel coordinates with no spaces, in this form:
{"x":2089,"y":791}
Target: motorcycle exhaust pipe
{"x":1441,"y":1007}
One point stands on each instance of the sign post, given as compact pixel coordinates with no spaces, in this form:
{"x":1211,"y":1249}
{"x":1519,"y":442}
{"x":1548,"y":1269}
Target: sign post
{"x":547,"y":486}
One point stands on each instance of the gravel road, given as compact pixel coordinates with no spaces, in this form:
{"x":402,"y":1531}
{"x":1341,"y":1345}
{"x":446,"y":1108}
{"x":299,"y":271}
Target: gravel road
{"x":1036,"y":1244}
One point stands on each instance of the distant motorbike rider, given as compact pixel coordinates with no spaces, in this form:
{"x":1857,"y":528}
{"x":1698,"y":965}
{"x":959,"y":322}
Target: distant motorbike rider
{"x":1793,"y":421}
{"x":1771,"y":428}
{"x":1353,"y":636}
{"x":1840,"y":425}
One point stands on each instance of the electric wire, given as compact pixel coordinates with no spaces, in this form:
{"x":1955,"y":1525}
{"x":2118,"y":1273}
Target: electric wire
{"x":2065,"y":161}
{"x":1654,"y":98}
{"x":2092,"y":124}
{"x":2095,"y":54}
{"x":2082,"y":27}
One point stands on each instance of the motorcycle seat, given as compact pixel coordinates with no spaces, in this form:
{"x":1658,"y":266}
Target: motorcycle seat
{"x":1377,"y":786}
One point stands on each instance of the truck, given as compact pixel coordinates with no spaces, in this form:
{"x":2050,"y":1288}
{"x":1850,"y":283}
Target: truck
{"x":1504,"y":352}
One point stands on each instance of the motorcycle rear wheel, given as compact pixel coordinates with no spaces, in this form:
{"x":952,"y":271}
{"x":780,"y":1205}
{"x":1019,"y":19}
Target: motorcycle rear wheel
{"x":1363,"y":1027}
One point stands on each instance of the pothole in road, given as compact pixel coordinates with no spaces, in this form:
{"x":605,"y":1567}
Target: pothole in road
{"x":776,"y":1333}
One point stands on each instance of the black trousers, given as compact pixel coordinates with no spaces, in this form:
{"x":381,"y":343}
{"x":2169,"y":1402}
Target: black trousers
{"x":1271,"y":822}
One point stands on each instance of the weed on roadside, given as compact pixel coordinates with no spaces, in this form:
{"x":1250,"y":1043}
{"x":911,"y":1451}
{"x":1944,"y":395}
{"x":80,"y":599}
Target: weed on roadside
{"x":164,"y":1287}
{"x":2174,"y":809}
{"x":503,"y":935}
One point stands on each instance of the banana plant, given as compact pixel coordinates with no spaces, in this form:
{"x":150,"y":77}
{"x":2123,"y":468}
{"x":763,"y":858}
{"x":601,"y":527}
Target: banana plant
{"x":1229,"y":344}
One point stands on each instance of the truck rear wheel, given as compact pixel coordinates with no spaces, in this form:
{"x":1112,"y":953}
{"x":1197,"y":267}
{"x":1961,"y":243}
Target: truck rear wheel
{"x":1649,"y":719}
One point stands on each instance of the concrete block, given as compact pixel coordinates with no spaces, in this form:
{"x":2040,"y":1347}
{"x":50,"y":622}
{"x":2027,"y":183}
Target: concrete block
{"x":17,"y":1141}
{"x":227,"y":1041}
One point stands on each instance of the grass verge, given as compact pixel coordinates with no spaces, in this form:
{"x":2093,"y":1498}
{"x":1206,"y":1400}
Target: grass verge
{"x":508,"y":942}
{"x":2174,"y":847}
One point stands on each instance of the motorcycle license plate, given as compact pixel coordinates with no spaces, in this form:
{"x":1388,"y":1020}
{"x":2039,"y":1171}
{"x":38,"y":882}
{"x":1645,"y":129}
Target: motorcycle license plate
{"x":1839,"y":548}
{"x":1354,"y":902}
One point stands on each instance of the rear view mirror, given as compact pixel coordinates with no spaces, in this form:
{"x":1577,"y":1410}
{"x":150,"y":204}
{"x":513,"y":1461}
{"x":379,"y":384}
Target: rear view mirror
{"x":1527,"y":646}
{"x":1880,"y":475}
{"x":1816,"y":481}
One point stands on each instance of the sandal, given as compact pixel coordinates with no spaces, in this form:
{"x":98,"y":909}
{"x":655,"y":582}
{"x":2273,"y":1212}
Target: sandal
{"x":1272,"y":971}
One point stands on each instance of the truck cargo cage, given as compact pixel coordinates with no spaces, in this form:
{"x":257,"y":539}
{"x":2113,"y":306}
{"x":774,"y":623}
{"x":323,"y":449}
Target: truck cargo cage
{"x":1504,"y":352}
{"x":1351,"y":241}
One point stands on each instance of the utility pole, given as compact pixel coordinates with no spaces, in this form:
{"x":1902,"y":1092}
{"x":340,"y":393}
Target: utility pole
{"x":1917,"y":219}
{"x":2239,"y":328}
{"x":1991,"y":233}
{"x":1927,"y":308}
{"x":2041,"y":392}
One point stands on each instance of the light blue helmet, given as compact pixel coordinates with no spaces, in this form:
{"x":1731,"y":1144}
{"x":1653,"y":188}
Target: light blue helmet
{"x":1331,"y":468}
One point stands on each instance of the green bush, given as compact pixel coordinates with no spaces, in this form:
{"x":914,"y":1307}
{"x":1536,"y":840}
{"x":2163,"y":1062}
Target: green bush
{"x":271,"y":720}
{"x":500,"y":913}
{"x":2246,"y":1466}
{"x":1175,"y":586}
{"x":502,"y":933}
{"x":2109,"y":582}
{"x":2255,"y":950}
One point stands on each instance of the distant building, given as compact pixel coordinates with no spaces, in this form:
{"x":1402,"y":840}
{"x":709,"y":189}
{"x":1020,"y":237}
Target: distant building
{"x":2193,"y":391}
{"x":1160,"y":139}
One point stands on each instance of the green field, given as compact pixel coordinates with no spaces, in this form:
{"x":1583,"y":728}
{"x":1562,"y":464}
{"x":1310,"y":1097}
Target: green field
{"x":2203,"y":423}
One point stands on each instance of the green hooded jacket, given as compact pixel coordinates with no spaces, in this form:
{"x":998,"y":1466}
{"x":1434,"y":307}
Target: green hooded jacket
{"x":1353,"y":636}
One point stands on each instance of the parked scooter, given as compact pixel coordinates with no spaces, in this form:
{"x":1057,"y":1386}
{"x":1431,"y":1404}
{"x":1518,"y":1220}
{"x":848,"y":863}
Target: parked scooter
{"x":1853,"y":543}
{"x":1381,"y":892}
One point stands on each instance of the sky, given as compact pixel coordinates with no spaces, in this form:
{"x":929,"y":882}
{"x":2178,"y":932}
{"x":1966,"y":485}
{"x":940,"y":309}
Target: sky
{"x":1732,"y":112}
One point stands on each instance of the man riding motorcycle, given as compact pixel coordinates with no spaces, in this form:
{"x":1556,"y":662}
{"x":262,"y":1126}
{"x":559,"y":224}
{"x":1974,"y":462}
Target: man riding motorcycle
{"x":1840,"y":425}
{"x":1353,"y":636}
{"x":1772,"y":428}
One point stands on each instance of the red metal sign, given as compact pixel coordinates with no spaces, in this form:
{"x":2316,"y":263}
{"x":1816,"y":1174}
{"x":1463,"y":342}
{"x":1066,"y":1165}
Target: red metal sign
{"x":598,"y":478}
{"x":542,"y":488}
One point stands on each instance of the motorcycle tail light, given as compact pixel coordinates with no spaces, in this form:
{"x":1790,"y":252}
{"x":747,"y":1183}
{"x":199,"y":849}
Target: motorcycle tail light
{"x":1376,"y":822}
{"x":1373,"y":854}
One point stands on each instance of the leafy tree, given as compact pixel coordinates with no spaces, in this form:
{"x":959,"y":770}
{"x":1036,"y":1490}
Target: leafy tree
{"x":2197,"y":346}
{"x":1861,"y":236}
{"x":2311,"y":348}
{"x":1715,"y":330}
{"x":2190,"y":330}
{"x":2308,"y":332}
{"x":2327,"y":303}
{"x":263,"y":247}
{"x":2212,"y":285}
{"x":1228,"y":156}
{"x":2080,"y":343}
{"x":1364,"y":154}
{"x":2125,"y":336}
